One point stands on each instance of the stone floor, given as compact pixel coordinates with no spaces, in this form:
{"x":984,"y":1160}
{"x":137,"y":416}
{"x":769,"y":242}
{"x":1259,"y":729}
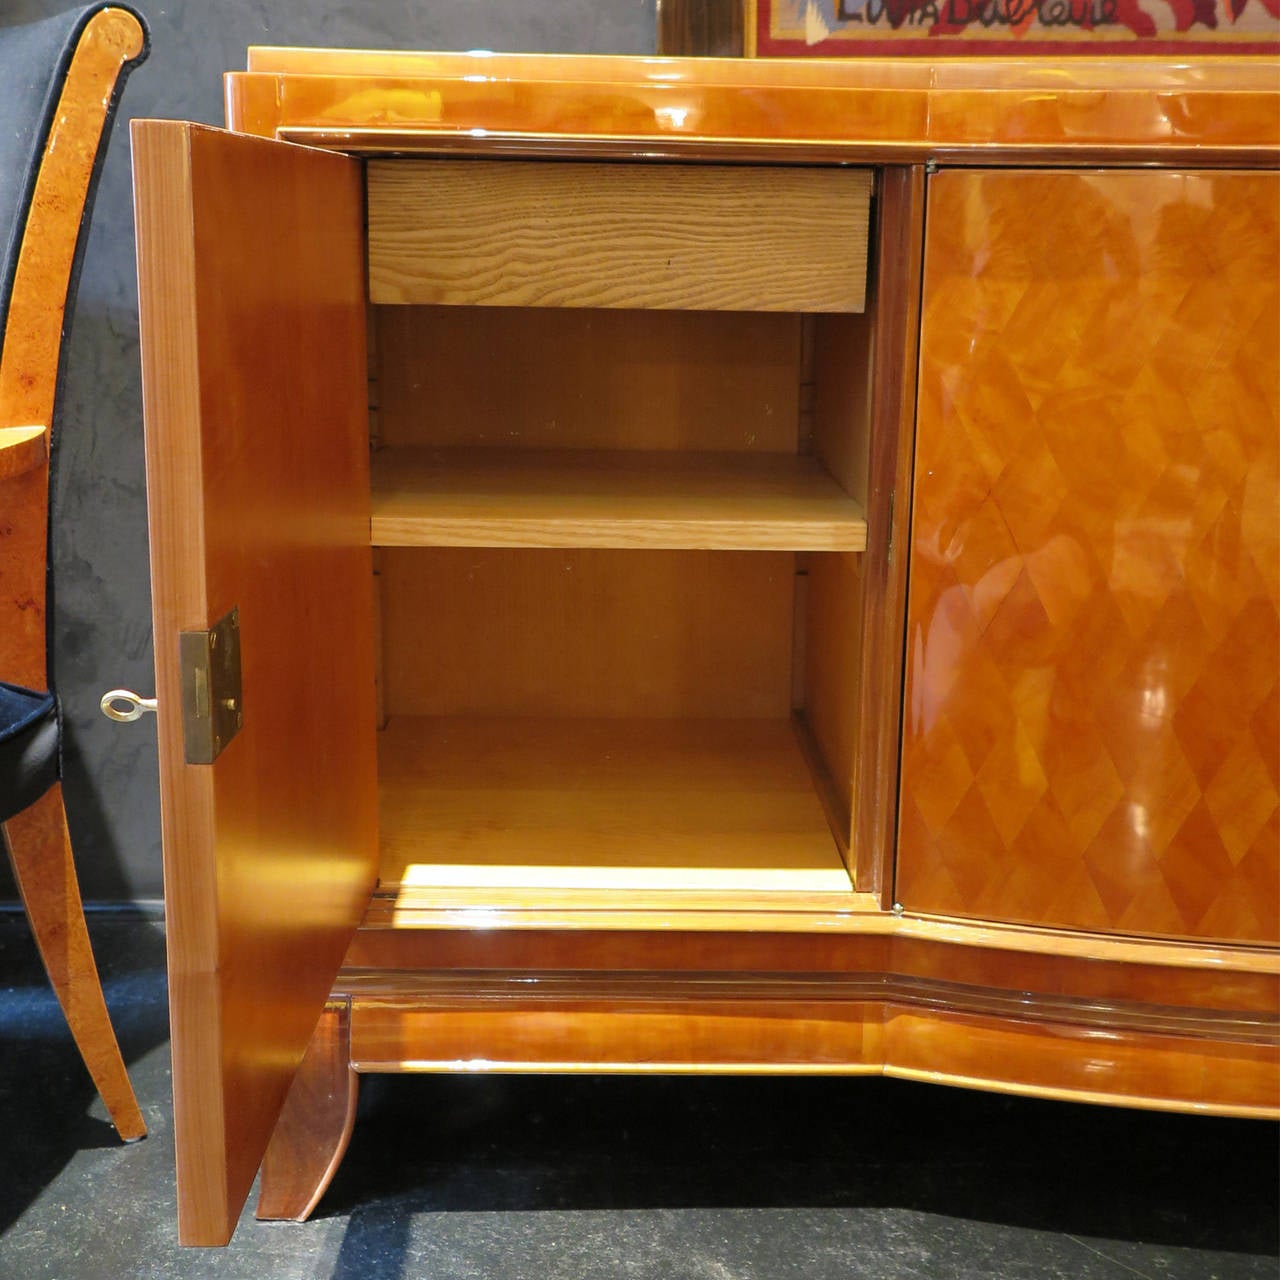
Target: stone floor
{"x":552,"y":1178}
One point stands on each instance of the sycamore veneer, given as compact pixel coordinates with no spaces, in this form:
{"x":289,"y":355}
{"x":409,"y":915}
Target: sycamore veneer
{"x":617,"y":499}
{"x":574,"y":235}
{"x":613,"y":805}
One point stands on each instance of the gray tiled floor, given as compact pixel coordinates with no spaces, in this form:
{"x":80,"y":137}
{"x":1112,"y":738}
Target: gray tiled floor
{"x":583,"y":1178}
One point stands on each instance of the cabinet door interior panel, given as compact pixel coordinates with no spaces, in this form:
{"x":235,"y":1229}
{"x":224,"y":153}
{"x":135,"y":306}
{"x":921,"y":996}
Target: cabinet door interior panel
{"x":253,"y":332}
{"x":549,"y":234}
{"x":587,"y":633}
{"x":614,"y":498}
{"x":1090,"y":734}
{"x":620,"y":805}
{"x":588,"y":379}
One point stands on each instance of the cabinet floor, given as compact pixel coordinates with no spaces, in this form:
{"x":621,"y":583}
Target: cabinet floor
{"x":626,"y":805}
{"x":578,"y":1178}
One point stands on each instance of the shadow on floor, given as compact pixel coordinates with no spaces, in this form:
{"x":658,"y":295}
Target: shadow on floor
{"x":49,"y":1109}
{"x":508,"y":1144}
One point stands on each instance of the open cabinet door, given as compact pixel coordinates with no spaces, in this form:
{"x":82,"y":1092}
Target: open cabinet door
{"x":252,"y":300}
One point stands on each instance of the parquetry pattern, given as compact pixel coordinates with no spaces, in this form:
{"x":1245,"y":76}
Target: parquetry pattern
{"x":1091,"y":732}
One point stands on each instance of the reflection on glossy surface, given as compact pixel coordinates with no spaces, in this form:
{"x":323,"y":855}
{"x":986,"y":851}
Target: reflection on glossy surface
{"x":896,"y":109}
{"x":1090,"y":730}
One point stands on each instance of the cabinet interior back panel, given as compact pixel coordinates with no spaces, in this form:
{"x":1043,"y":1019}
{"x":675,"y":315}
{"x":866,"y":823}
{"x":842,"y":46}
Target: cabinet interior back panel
{"x":655,"y":634}
{"x":671,"y":236}
{"x":452,"y":376}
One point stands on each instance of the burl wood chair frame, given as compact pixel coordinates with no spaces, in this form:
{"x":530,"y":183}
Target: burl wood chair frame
{"x":110,"y":41}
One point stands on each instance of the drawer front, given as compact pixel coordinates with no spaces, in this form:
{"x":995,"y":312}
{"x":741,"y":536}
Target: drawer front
{"x":666,"y":236}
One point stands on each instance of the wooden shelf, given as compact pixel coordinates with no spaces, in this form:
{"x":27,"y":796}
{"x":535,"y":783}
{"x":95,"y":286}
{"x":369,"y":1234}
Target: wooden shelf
{"x":602,"y":498}
{"x":700,"y":806}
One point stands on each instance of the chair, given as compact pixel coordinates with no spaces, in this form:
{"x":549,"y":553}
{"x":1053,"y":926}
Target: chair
{"x":59,"y":83}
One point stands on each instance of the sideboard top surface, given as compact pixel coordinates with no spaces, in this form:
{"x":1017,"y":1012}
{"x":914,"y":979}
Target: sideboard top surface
{"x":1214,"y":110}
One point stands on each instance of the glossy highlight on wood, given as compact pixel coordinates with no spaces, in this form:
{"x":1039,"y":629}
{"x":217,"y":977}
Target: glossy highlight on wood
{"x":872,"y":110}
{"x":1090,"y":732}
{"x":640,"y":1021}
{"x":315,"y":1126}
{"x":576,"y":740}
{"x":895,"y":312}
{"x":32,"y":349}
{"x":22,"y":449}
{"x":252,"y":313}
{"x":621,"y":805}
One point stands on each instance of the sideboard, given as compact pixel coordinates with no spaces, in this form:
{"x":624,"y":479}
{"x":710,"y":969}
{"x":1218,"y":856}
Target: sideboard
{"x":712,"y":566}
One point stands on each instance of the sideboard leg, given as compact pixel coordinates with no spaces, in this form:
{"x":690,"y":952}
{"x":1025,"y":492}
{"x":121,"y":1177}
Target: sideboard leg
{"x":313,"y":1131}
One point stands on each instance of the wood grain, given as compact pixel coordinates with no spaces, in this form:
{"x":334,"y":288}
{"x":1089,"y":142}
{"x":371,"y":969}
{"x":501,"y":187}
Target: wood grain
{"x":808,"y":1023}
{"x":833,"y":605}
{"x":588,"y":379}
{"x":32,"y":350}
{"x":1141,"y":1022}
{"x":700,"y":634}
{"x":252,"y":314}
{"x":701,"y":28}
{"x":1090,"y":735}
{"x":590,"y":235}
{"x":894,"y":317}
{"x":700,"y":805}
{"x":397,"y":934}
{"x":22,"y":449}
{"x":618,"y":499}
{"x":1053,"y":1012}
{"x":864,"y":406}
{"x":40,"y":853}
{"x":638,"y":908}
{"x":1005,"y":72}
{"x":315,"y":1127}
{"x":37,"y":840}
{"x":844,"y":385}
{"x":997,"y":111}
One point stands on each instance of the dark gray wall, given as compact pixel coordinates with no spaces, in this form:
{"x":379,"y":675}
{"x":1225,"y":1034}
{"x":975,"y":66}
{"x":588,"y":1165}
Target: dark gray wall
{"x":102,"y":610}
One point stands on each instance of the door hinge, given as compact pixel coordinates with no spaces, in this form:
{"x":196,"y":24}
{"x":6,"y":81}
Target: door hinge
{"x":889,"y":547}
{"x":211,"y":710}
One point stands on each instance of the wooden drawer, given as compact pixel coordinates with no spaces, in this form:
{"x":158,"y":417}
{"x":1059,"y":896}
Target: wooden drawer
{"x":553,"y":234}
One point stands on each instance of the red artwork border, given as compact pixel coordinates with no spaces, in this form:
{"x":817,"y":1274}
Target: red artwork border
{"x":928,"y":46}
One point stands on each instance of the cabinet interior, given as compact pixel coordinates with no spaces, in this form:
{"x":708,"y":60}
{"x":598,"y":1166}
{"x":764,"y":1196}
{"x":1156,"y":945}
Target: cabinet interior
{"x":617,"y":559}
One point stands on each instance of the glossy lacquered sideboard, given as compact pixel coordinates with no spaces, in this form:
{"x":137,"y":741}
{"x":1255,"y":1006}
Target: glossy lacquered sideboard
{"x":729,"y":567}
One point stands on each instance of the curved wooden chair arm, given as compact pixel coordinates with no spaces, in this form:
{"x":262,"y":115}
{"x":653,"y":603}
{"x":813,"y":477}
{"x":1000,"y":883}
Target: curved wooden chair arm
{"x":106,"y":42}
{"x":31,"y":350}
{"x":22,"y":449}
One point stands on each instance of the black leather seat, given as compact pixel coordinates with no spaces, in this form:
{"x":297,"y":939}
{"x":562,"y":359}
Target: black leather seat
{"x":28,"y":747}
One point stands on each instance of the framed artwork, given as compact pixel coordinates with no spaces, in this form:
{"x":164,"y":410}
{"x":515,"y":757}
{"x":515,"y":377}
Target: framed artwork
{"x":932,"y":28}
